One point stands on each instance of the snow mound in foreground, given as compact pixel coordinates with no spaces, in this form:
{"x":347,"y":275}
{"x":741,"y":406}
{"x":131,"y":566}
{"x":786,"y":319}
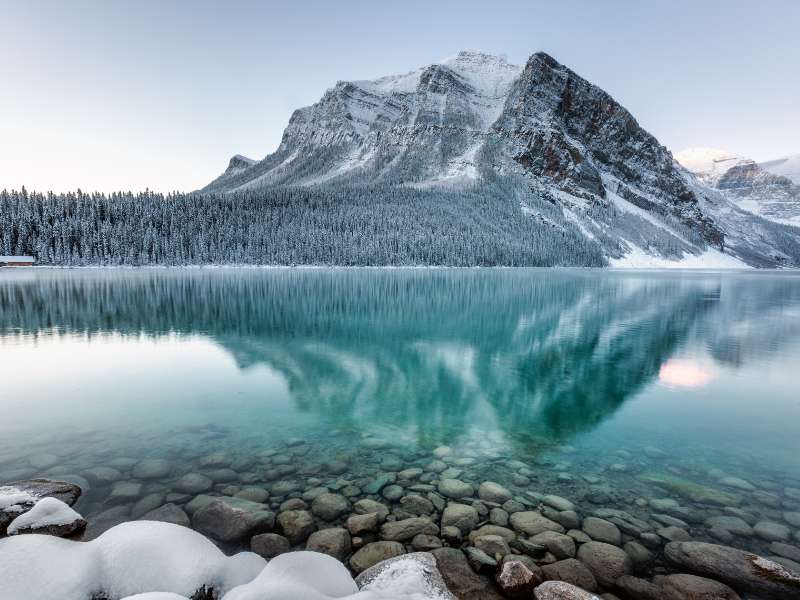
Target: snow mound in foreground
{"x":148,"y":560}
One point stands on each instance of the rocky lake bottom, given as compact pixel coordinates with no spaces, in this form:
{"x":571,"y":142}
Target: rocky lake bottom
{"x":597,"y":429}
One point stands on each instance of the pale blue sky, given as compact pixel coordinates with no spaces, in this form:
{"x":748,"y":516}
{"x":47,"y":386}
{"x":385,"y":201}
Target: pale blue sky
{"x":108,"y":95}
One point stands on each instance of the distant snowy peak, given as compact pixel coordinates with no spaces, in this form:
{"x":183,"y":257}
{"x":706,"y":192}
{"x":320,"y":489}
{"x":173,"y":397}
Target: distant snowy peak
{"x":788,"y":167}
{"x":708,"y":161}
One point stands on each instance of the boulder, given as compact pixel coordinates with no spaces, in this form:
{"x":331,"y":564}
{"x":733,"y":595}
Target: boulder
{"x":329,"y":507}
{"x":493,"y":492}
{"x":743,"y":571}
{"x":22,"y":495}
{"x":423,"y":562}
{"x":406,"y":529}
{"x":193,"y":483}
{"x":532,"y":522}
{"x":460,"y":515}
{"x":455,"y":489}
{"x":692,"y":587}
{"x":269,"y":545}
{"x":233,"y":519}
{"x":606,"y":562}
{"x":516,"y":581}
{"x":296,"y":525}
{"x":152,"y":468}
{"x":572,"y":571}
{"x":168,"y":513}
{"x":558,"y":544}
{"x":375,"y":552}
{"x":461,"y":580}
{"x":601,"y":530}
{"x":48,"y":516}
{"x":361,"y":524}
{"x":560,"y":590}
{"x":334,"y":542}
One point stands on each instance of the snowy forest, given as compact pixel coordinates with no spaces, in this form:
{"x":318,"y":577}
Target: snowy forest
{"x":369,"y":225}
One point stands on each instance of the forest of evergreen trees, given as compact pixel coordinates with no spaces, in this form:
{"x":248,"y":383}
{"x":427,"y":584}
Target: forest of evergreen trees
{"x":368,"y":225}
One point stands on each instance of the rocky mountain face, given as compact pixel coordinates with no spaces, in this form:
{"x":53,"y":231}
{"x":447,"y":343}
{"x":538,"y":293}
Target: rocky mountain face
{"x":549,"y":139}
{"x":749,"y":185}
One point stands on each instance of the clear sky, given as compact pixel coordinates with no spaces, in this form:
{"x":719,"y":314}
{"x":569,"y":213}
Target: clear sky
{"x":107,"y":95}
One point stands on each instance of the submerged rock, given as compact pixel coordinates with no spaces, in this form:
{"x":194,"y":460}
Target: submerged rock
{"x":688,"y":587}
{"x":743,"y":571}
{"x":606,"y":562}
{"x":168,"y":513}
{"x":233,"y":519}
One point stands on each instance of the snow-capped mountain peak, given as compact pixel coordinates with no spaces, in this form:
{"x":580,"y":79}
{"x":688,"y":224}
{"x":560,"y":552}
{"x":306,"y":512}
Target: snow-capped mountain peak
{"x":708,"y":161}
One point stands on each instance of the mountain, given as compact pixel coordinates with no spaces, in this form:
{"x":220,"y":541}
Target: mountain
{"x":761,"y":189}
{"x":539,"y":136}
{"x":788,"y":167}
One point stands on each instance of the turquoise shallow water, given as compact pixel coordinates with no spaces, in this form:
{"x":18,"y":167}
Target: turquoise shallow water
{"x":608,"y":388}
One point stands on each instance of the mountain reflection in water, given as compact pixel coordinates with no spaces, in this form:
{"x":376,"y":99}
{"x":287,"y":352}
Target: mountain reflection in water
{"x":538,"y":353}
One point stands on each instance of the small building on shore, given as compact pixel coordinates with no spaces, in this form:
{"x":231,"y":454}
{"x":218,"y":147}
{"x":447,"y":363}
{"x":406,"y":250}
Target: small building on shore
{"x":17,"y":261}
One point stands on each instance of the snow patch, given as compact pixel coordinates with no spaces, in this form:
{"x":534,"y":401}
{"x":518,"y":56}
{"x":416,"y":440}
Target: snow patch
{"x":11,"y":498}
{"x":710,"y":259}
{"x":710,"y":161}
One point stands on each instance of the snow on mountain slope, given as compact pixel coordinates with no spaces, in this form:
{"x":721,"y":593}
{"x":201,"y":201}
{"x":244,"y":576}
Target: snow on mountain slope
{"x":788,"y":167}
{"x":763,"y":191}
{"x":559,"y":147}
{"x":709,"y":162}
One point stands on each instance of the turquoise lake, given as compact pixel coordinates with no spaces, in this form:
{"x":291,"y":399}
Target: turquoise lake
{"x":606,"y":387}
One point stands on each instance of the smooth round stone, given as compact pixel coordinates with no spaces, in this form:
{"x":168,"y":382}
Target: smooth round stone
{"x":125,"y":491}
{"x":367,"y":505}
{"x":152,"y":468}
{"x":253,"y":494}
{"x":493,"y":492}
{"x":293,"y":504}
{"x":269,"y":545}
{"x":566,"y":572}
{"x":193,"y":483}
{"x":460,"y":515}
{"x":638,"y":553}
{"x":392,"y":492}
{"x":532,"y":523}
{"x":329,"y":506}
{"x":674,"y":534}
{"x":215,"y":460}
{"x":44,"y":460}
{"x":663,"y":504}
{"x":602,"y":531}
{"x":771,"y":531}
{"x":692,"y":586}
{"x":282,"y":488}
{"x":296,"y":525}
{"x":375,"y":552}
{"x":442,"y":451}
{"x":223,"y":475}
{"x":557,"y":502}
{"x":146,"y":504}
{"x":498,"y":516}
{"x":334,"y":542}
{"x":569,"y":519}
{"x":425,"y":543}
{"x":102,"y":475}
{"x":732,"y":524}
{"x":360,"y":525}
{"x":455,"y":488}
{"x":738,"y":483}
{"x":416,"y":505}
{"x":606,"y":562}
{"x":312,"y":493}
{"x":558,"y":544}
{"x":493,"y":545}
{"x":792,"y":518}
{"x":168,"y":513}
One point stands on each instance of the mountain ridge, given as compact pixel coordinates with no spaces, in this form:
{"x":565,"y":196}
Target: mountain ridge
{"x":540,"y":131}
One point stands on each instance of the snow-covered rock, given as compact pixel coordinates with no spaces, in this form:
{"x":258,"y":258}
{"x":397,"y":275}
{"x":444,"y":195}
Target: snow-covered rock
{"x":147,"y":560}
{"x":50,"y":516}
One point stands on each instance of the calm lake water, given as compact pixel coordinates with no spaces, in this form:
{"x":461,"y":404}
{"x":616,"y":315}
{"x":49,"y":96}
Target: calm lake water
{"x":608,"y":388}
